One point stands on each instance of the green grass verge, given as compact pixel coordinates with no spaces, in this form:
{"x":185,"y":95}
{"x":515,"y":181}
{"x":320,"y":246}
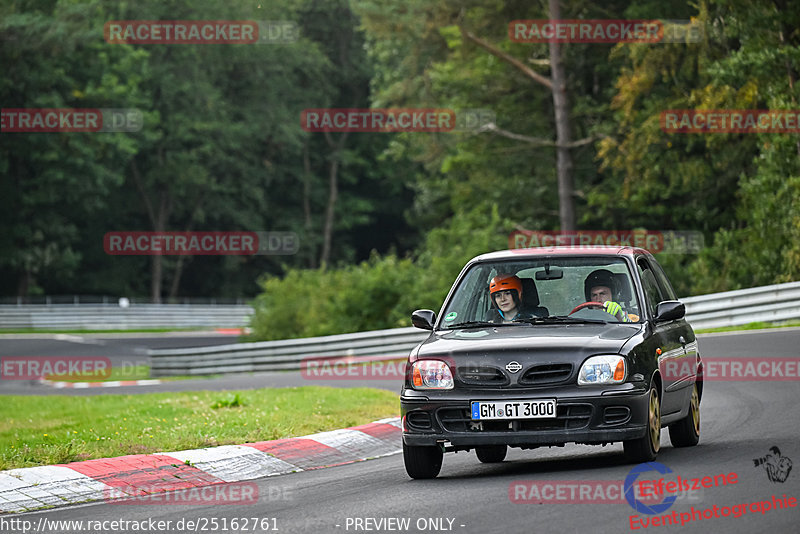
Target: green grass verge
{"x":44,"y":430}
{"x":749,"y":326}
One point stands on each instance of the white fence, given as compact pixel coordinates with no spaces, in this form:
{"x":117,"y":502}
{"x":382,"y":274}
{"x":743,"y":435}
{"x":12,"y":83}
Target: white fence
{"x":768,"y":303}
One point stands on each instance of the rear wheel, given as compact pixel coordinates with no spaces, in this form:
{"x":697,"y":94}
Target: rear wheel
{"x":686,"y":432}
{"x":645,"y":449}
{"x":491,"y":454}
{"x":422,"y":462}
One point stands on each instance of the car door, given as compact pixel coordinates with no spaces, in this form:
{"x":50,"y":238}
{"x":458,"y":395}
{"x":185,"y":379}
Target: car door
{"x":683,"y":368}
{"x":666,"y":334}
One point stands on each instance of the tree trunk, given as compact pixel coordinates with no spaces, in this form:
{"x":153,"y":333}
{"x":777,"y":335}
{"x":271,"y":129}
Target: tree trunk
{"x":312,"y":257}
{"x":156,"y":262}
{"x":176,"y":278}
{"x":556,"y":84}
{"x":158,"y":220}
{"x":156,"y":271}
{"x":333,"y":193}
{"x":24,"y":281}
{"x":566,"y":187}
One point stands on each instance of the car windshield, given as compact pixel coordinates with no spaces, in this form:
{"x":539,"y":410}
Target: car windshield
{"x":553,"y":290}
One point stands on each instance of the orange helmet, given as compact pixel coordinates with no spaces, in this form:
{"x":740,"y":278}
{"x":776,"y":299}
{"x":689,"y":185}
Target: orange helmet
{"x":503,"y":282}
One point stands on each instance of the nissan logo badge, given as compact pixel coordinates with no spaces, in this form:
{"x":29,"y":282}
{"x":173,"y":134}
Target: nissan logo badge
{"x":513,"y":367}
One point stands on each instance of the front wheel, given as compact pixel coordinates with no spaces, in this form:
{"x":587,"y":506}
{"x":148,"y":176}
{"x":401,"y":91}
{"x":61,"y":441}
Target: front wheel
{"x":645,"y":449}
{"x":422,"y":462}
{"x":686,"y":432}
{"x":491,"y":454}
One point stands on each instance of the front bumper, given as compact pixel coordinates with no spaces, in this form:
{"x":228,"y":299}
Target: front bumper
{"x":583,"y":415}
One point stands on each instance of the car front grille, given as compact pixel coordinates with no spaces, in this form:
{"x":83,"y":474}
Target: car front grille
{"x":568,"y":417}
{"x":550,"y":373}
{"x":481,"y":376}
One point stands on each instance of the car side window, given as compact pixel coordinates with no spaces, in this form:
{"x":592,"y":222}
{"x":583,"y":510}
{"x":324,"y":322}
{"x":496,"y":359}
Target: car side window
{"x":663,"y":282}
{"x":651,"y":289}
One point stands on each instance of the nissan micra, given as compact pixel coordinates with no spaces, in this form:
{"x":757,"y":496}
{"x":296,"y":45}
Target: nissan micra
{"x":548,"y":346}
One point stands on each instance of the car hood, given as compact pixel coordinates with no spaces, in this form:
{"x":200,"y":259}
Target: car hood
{"x":568,"y":343}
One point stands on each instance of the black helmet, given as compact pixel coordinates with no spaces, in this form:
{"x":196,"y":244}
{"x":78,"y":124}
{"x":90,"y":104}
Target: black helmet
{"x":600,"y":277}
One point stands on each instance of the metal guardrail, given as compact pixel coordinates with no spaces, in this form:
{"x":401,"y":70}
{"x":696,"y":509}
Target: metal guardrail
{"x":106,"y":300}
{"x":779,"y":302}
{"x":286,"y":354}
{"x":768,"y":303}
{"x":114,"y":317}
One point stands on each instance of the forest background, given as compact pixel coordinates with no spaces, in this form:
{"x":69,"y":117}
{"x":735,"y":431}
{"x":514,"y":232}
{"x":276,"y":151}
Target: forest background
{"x":385,"y":221}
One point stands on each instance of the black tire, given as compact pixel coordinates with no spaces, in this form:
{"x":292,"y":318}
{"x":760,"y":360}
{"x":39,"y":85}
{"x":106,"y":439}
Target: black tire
{"x":491,"y":454}
{"x":645,"y":449}
{"x":686,"y":432}
{"x":422,"y":462}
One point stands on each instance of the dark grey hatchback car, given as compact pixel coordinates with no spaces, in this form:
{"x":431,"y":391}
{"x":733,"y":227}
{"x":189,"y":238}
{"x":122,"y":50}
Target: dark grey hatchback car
{"x":547,"y":346}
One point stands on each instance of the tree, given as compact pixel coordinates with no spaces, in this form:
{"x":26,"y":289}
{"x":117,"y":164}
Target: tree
{"x":51,"y":182}
{"x":425,"y":28}
{"x":738,"y":188}
{"x":220,"y":114}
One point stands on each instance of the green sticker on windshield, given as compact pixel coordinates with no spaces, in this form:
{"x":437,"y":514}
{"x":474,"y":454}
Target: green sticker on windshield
{"x":450,"y":316}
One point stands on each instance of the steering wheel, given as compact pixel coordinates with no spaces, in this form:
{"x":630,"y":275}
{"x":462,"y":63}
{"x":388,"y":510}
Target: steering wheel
{"x":586,"y":305}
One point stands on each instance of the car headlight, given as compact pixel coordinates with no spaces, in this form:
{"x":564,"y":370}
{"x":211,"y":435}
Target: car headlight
{"x":431,"y":374}
{"x":609,"y":369}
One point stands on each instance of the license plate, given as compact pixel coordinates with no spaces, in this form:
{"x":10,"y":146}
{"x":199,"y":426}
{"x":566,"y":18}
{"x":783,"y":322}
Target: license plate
{"x":514,"y":409}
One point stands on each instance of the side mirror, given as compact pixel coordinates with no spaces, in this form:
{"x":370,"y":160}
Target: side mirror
{"x":670,"y":310}
{"x":423,"y":319}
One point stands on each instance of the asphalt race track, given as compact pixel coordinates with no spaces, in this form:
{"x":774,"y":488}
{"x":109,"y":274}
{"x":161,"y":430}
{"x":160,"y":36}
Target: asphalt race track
{"x":740,"y":422}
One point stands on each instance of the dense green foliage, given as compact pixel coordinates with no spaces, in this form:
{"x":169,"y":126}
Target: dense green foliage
{"x":386,"y":221}
{"x":221,"y":149}
{"x":377,"y":293}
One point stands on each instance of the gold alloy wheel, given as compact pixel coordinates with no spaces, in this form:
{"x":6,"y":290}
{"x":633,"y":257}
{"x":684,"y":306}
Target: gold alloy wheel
{"x":655,"y":421}
{"x":695,"y":408}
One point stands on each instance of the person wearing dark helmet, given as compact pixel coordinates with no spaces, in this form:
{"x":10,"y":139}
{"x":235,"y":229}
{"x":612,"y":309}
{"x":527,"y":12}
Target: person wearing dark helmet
{"x":505,"y":291}
{"x":601,"y":286}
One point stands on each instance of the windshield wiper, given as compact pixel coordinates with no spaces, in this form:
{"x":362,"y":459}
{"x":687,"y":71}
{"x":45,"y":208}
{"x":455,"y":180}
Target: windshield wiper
{"x":468,"y":324}
{"x":554,"y":319}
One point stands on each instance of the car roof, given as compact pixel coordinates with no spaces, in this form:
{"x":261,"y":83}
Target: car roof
{"x":567,"y":250}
